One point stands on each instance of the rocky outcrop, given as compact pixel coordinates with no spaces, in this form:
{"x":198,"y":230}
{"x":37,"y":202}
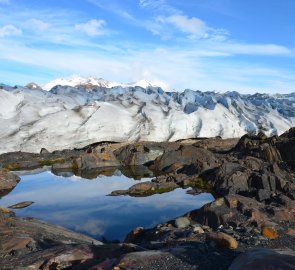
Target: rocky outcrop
{"x":187,"y":159}
{"x":141,"y":153}
{"x":8,"y":181}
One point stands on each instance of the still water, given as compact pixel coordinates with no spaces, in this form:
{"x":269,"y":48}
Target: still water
{"x":82,"y":205}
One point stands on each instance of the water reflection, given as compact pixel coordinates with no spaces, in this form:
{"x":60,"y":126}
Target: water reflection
{"x":82,"y":205}
{"x":134,"y":172}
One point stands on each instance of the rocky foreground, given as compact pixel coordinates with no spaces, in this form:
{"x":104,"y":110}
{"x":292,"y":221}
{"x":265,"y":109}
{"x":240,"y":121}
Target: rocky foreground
{"x":250,"y":225}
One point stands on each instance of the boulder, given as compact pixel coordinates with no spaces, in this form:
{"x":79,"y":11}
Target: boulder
{"x":187,"y":159}
{"x":264,"y":259}
{"x":182,"y":222}
{"x":229,"y":178}
{"x":223,"y":240}
{"x":8,"y":181}
{"x":140,"y":153}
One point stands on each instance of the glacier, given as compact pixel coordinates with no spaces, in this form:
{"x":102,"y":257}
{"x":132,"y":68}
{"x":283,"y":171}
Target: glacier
{"x":68,"y":116}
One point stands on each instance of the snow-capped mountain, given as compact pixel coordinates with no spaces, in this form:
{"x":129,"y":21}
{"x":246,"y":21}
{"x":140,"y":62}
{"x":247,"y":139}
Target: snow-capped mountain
{"x":91,"y":82}
{"x":67,"y":116}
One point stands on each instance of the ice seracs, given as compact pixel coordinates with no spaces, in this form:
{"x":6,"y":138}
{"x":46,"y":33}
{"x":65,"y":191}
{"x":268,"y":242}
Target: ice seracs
{"x":68,"y":116}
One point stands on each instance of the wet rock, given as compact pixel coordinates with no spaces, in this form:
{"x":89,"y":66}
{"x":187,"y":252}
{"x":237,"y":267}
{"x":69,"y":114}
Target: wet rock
{"x":223,"y":240}
{"x":21,"y":205}
{"x":264,"y":259}
{"x":182,"y":222}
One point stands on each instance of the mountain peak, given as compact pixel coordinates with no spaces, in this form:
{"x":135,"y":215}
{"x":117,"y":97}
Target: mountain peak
{"x":91,"y":81}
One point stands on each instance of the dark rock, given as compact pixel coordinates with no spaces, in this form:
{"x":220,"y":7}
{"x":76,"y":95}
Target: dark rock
{"x":262,"y":194}
{"x":229,"y":178}
{"x":186,"y":159}
{"x":259,"y":147}
{"x":140,"y":153}
{"x":44,"y":151}
{"x":264,"y":259}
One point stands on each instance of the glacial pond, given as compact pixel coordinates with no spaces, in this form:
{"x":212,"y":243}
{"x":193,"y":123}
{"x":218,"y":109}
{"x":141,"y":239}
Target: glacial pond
{"x":82,"y":205}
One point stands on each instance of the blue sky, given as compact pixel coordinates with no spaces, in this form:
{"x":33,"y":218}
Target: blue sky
{"x":221,"y":45}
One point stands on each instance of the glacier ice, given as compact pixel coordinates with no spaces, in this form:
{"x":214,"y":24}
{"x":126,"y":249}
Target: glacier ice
{"x":74,"y":116}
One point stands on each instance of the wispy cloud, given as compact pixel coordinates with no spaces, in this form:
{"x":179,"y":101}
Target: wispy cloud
{"x":113,"y":7}
{"x":38,"y":25}
{"x":159,"y":6}
{"x":92,"y":28}
{"x":9,"y":30}
{"x":193,"y":27}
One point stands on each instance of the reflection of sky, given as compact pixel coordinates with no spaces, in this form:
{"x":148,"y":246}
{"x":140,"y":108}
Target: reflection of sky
{"x":81,"y":204}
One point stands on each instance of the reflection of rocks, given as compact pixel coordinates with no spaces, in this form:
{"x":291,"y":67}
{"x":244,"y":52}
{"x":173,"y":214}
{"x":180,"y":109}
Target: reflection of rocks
{"x":136,"y":172}
{"x":8,"y":181}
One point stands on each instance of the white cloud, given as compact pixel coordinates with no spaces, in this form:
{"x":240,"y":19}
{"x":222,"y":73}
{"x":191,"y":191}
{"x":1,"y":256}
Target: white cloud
{"x":253,"y":49}
{"x":158,"y":5}
{"x":38,"y":25}
{"x":92,"y":27}
{"x":192,"y":27}
{"x":9,"y":30}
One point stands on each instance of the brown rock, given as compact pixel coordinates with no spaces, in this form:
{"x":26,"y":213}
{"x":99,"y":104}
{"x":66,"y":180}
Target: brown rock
{"x":134,"y":235}
{"x":16,"y":243}
{"x":269,"y":232}
{"x":8,"y":181}
{"x":290,"y":232}
{"x":223,"y":240}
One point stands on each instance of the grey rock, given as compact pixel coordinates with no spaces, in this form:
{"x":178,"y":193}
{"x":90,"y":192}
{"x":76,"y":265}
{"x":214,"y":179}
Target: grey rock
{"x":182,"y":222}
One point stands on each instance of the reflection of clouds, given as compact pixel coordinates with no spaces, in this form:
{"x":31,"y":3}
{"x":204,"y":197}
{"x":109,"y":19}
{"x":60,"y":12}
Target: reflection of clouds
{"x":81,"y":204}
{"x":93,"y":227}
